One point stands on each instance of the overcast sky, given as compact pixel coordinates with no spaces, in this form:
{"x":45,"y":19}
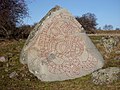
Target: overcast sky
{"x":106,"y":11}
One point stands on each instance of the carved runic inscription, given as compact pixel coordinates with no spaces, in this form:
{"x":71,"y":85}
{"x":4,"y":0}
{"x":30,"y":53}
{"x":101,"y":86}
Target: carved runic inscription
{"x":59,"y":44}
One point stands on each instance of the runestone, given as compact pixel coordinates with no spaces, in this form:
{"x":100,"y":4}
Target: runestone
{"x":57,"y":49}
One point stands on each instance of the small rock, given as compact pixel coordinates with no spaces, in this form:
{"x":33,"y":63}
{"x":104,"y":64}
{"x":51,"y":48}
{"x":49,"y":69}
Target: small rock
{"x":23,"y":75}
{"x":106,"y":76}
{"x":2,"y":59}
{"x":117,"y":58}
{"x":3,"y":76}
{"x":13,"y":74}
{"x":6,"y":70}
{"x":117,"y":52}
{"x":7,"y":65}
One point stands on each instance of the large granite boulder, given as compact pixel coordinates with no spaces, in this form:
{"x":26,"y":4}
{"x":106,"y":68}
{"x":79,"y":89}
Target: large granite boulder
{"x":58,"y":49}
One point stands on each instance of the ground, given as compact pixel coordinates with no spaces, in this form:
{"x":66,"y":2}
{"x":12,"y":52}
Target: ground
{"x":24,"y":80}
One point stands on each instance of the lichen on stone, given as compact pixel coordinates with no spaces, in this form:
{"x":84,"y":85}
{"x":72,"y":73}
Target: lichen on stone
{"x":40,"y":23}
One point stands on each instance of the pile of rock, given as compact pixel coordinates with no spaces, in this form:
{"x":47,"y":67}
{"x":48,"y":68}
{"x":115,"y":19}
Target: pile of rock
{"x":106,"y":76}
{"x":109,"y":43}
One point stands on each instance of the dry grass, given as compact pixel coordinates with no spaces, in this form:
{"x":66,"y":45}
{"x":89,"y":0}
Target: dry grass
{"x":107,"y":31}
{"x":27,"y":81}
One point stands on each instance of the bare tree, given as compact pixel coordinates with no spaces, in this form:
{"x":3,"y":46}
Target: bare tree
{"x":117,"y":29}
{"x":108,"y":27}
{"x":88,"y":21}
{"x":12,"y":13}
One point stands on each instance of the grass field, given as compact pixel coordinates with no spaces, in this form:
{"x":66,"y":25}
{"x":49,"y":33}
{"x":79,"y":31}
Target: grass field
{"x":24,"y":80}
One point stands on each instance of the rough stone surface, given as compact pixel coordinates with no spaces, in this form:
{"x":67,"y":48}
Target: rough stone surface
{"x":58,"y":49}
{"x":106,"y":76}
